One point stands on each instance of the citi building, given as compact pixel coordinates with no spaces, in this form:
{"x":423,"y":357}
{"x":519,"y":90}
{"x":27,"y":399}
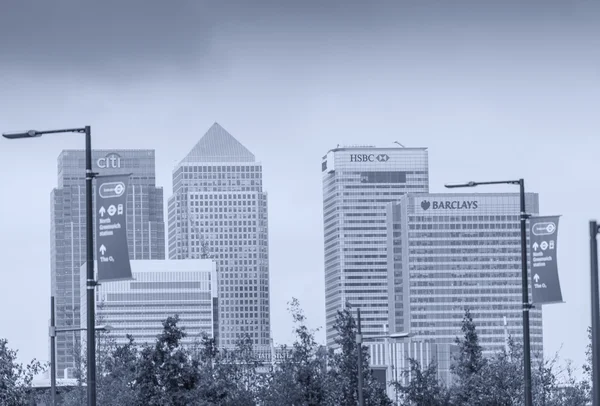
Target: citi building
{"x":358,"y":184}
{"x":145,"y":231}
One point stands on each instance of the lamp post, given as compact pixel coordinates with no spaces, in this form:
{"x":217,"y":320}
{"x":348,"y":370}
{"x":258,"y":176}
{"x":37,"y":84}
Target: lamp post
{"x":361,"y":401}
{"x":52,"y":333}
{"x":388,"y":349}
{"x":359,"y":341}
{"x":595,"y":313}
{"x":91,"y":283}
{"x":524,"y":276}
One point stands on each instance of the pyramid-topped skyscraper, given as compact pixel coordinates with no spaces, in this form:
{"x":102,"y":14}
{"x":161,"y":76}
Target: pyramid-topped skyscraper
{"x":219,"y":210}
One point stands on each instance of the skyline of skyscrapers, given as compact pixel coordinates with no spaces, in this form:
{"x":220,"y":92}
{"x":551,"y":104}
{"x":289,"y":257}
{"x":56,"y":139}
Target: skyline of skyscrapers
{"x":358,"y":182}
{"x":145,"y":229}
{"x":390,"y":247}
{"x":218,"y":209}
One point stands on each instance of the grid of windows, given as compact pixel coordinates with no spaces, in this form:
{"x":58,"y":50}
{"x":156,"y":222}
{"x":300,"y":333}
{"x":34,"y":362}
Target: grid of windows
{"x":219,"y":209}
{"x":447,"y":260}
{"x":160,"y":289}
{"x":358,"y":183}
{"x":145,"y":228}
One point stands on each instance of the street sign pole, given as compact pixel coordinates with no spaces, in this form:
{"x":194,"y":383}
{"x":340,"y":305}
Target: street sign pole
{"x":525,"y":294}
{"x":91,"y":283}
{"x":361,"y":400}
{"x":595,"y":314}
{"x":52,"y":353}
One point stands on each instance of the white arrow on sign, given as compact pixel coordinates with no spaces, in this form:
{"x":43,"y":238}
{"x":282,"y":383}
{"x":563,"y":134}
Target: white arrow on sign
{"x":102,"y":211}
{"x":535,"y":246}
{"x":536,"y":278}
{"x":102,"y":249}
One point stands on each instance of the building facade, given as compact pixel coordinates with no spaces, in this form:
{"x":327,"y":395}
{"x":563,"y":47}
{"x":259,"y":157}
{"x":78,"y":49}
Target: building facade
{"x":451,"y":252}
{"x":390,"y":360}
{"x":219,"y":209}
{"x":358,"y":183}
{"x":145,"y":229}
{"x":159,"y":289}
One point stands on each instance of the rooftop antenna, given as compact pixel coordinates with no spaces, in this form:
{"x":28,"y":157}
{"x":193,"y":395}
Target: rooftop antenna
{"x":396,"y":142}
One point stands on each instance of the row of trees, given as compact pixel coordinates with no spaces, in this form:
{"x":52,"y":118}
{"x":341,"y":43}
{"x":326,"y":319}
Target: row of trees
{"x":169,"y":374}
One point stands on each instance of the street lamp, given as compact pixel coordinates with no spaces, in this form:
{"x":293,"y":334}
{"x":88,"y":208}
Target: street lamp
{"x":388,"y":349}
{"x":524,"y":277}
{"x":91,"y":283}
{"x":359,"y":341}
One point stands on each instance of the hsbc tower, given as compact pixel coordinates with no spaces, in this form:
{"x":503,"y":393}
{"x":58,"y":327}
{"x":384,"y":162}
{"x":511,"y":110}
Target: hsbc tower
{"x":358,"y":184}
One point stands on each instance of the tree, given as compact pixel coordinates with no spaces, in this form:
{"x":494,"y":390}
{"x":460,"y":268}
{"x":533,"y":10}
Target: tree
{"x":15,"y":379}
{"x":165,"y":373}
{"x":468,"y":364}
{"x":502,"y":377}
{"x":117,"y":368}
{"x":300,"y":378}
{"x":343,"y":371}
{"x":424,"y":387}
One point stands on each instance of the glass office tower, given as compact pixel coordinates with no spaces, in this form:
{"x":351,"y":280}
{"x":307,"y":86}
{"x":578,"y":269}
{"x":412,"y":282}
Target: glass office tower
{"x":358,"y":183}
{"x":219,"y":210}
{"x":450,"y":252}
{"x":145,"y":230}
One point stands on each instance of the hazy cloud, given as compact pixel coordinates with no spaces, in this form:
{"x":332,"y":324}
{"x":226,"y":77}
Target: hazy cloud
{"x":129,"y":38}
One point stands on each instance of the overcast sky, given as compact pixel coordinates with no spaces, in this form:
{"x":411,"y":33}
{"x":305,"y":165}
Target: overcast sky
{"x":495,"y":90}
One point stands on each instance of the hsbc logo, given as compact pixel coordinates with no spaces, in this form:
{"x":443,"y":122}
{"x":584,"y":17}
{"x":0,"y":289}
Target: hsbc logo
{"x":369,"y":158}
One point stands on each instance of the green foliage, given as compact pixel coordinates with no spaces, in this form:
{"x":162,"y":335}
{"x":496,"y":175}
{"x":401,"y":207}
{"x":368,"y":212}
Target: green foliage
{"x":301,"y":377}
{"x":493,"y":381}
{"x":424,"y":387}
{"x":15,"y":379}
{"x":343,"y":367}
{"x":168,"y":373}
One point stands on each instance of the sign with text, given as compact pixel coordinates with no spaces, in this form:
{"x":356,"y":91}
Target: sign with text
{"x":449,"y":205}
{"x":111,"y":228}
{"x":545,"y":285}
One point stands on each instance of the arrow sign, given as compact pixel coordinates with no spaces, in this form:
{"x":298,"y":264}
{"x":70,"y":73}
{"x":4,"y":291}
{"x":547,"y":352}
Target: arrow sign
{"x":111,"y":228}
{"x":543,"y":262}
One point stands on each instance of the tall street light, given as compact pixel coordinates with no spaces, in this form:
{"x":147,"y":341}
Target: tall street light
{"x":594,"y":229}
{"x":91,"y":283}
{"x":524,"y":277}
{"x":359,"y":340}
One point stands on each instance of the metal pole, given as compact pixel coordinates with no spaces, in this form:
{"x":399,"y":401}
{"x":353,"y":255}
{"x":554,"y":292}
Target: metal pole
{"x":526,"y":305}
{"x":91,"y":284}
{"x":595,"y":314}
{"x":52,"y":354}
{"x":361,"y":400}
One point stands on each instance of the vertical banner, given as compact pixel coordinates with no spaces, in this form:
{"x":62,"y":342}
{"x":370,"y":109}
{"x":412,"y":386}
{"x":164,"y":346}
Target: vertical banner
{"x":545,"y":285}
{"x":112,"y":252}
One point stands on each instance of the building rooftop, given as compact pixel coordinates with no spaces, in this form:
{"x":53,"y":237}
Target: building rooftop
{"x":217,"y":145}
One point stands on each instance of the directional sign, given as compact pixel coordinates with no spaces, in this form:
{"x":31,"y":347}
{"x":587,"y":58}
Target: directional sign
{"x":544,"y":269}
{"x":111,"y":229}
